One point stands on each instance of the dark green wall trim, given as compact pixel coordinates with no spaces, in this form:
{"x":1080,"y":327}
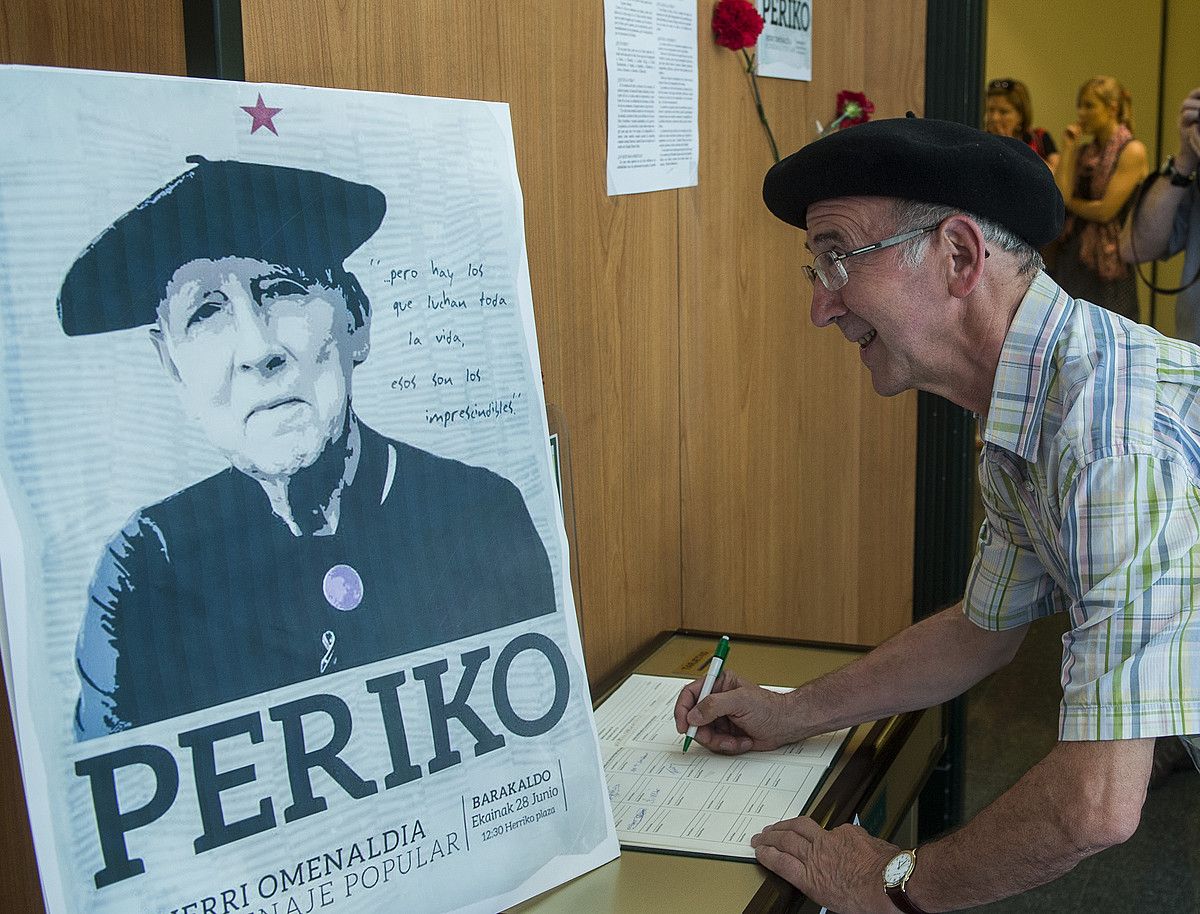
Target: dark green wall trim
{"x":212,"y":39}
{"x":942,"y":549}
{"x":955,"y":35}
{"x":954,"y":56}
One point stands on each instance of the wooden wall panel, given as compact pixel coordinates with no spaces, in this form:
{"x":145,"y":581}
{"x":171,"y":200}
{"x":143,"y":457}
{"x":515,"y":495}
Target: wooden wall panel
{"x":603,"y":268}
{"x":798,"y":481}
{"x":19,"y":886}
{"x":140,"y":36}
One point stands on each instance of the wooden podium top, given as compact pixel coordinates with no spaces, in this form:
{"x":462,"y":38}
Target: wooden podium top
{"x":885,"y":762}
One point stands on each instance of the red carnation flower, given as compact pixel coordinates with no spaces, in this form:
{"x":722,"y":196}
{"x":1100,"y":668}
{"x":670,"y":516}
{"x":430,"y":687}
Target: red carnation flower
{"x":853,"y":108}
{"x":736,"y":24}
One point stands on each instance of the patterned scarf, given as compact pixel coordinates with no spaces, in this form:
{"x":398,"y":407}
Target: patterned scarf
{"x":1098,"y":247}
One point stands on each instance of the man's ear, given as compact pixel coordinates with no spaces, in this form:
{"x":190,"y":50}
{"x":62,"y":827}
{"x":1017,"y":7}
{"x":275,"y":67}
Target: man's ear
{"x":967,"y":254}
{"x":164,"y":354}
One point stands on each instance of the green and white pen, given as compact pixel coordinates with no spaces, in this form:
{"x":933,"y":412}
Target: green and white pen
{"x":714,"y":670}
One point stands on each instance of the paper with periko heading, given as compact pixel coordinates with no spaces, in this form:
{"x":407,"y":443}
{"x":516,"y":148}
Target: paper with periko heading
{"x":785,"y":45}
{"x":653,"y":135}
{"x":697,"y":802}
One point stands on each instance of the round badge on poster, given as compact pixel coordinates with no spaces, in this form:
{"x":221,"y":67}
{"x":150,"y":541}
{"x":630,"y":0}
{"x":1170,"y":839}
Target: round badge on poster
{"x":343,"y":588}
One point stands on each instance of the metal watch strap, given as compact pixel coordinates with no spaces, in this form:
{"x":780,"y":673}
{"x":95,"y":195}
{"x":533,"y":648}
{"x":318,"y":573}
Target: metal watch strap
{"x":901,"y":900}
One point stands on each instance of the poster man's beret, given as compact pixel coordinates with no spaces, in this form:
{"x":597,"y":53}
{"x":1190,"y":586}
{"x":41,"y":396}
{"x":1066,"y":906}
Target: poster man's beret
{"x":286,"y":216}
{"x":931,"y":161}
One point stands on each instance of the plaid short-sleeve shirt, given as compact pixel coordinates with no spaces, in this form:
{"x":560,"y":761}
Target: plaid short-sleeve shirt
{"x":1090,"y":475}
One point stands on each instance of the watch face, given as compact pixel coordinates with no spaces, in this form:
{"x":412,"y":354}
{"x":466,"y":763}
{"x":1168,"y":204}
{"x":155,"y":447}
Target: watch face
{"x":898,"y":867}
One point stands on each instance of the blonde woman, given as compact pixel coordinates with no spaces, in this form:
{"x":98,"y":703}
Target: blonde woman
{"x":1097,"y":180}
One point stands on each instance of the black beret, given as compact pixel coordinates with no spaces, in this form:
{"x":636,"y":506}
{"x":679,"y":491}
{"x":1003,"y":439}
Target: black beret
{"x":932,"y":161}
{"x":286,"y":216}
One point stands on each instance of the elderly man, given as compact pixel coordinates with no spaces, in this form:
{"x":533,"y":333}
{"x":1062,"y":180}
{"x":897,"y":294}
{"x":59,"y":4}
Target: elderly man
{"x":324,"y":545}
{"x":924,"y":237}
{"x":1167,"y":219}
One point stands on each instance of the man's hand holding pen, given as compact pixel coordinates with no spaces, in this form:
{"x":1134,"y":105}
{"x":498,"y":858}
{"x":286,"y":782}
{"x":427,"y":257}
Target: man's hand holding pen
{"x":841,"y":867}
{"x":737,"y":717}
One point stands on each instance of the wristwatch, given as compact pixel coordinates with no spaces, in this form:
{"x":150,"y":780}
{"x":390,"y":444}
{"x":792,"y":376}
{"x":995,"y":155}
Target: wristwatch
{"x":1174,"y":175}
{"x":895,"y":877}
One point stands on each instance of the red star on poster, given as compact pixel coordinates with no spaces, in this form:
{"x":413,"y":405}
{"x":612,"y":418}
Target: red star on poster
{"x":262,"y":115}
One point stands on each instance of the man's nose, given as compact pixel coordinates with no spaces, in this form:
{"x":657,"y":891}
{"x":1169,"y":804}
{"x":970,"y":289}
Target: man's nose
{"x":826,"y":306}
{"x":258,"y":346}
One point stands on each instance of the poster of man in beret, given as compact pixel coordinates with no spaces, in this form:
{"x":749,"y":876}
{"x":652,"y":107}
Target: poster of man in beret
{"x":288,"y":621}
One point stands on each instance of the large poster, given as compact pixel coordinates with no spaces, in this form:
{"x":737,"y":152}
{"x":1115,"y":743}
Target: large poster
{"x":288,"y":619}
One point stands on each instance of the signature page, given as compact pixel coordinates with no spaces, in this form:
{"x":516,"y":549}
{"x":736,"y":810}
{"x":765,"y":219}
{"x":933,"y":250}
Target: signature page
{"x":697,"y":802}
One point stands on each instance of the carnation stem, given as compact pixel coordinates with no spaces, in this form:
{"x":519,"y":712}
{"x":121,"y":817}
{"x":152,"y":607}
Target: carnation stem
{"x":762,"y":115}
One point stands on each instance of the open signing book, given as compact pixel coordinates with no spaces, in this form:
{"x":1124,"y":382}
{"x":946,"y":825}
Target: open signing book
{"x":697,"y":802}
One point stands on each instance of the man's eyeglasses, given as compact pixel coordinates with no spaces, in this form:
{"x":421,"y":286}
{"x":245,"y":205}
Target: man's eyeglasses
{"x":827,"y":266}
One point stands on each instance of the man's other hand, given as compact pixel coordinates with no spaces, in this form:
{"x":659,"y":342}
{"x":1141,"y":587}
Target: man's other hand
{"x":841,"y":869}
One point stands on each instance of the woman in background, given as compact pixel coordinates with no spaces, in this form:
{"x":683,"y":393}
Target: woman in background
{"x":1010,"y":113}
{"x":1097,"y":181}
